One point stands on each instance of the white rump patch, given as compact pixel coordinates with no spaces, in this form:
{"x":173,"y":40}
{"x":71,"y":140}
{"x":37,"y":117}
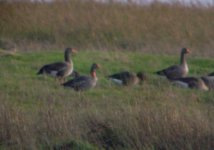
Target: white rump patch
{"x":181,"y":84}
{"x":210,"y":77}
{"x":116,"y":81}
{"x":53,"y":73}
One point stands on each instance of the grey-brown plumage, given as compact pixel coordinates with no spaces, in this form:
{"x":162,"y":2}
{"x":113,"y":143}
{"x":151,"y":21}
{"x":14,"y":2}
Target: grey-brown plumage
{"x":74,"y":74}
{"x":191,"y":82}
{"x":83,"y":82}
{"x":177,"y":71}
{"x":127,"y":78}
{"x":60,"y":70}
{"x":211,"y":74}
{"x":209,"y":81}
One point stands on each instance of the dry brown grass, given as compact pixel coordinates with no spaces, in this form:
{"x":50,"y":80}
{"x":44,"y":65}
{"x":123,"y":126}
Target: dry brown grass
{"x":148,"y":122}
{"x":35,"y":113}
{"x":87,"y":24}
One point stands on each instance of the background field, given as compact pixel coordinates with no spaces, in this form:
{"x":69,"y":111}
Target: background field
{"x":157,"y":27}
{"x":37,"y":113}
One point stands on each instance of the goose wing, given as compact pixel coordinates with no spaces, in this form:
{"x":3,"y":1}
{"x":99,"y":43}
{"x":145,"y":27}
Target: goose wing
{"x":192,"y":82}
{"x":121,"y":77}
{"x":209,"y":81}
{"x":79,"y":83}
{"x":172,"y":72}
{"x":211,"y":74}
{"x":53,"y":68}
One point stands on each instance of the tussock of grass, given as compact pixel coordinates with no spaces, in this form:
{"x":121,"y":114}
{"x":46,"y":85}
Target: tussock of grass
{"x":37,"y":113}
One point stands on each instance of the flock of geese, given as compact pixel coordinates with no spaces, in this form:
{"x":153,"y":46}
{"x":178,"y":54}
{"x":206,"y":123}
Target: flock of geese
{"x":177,"y":74}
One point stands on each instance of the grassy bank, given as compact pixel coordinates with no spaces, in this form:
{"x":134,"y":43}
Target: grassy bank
{"x":37,"y":113}
{"x":156,"y":27}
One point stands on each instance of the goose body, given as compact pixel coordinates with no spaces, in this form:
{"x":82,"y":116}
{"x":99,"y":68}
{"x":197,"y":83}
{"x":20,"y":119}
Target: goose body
{"x":211,"y":74}
{"x":59,"y":69}
{"x":81,"y":83}
{"x":177,"y":71}
{"x":126,"y":78}
{"x":74,"y":74}
{"x":209,"y":81}
{"x":191,"y":82}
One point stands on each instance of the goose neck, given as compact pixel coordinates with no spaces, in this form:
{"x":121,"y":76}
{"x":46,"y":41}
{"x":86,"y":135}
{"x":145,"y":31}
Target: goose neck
{"x":183,"y":59}
{"x":68,"y":57}
{"x":93,"y":74}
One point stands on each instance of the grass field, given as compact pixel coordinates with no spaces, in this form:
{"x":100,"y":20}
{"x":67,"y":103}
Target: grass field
{"x":37,"y":113}
{"x":158,"y":27}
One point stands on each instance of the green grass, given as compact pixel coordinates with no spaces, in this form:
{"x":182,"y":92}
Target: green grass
{"x":38,"y":113}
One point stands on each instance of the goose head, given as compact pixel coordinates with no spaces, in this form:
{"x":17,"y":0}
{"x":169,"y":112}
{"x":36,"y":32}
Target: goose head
{"x":68,"y":52}
{"x":94,"y":67}
{"x":185,"y":50}
{"x":141,"y":76}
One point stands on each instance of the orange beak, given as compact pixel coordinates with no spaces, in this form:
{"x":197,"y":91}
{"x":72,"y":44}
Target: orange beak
{"x":98,"y":66}
{"x":74,"y":50}
{"x":188,"y":50}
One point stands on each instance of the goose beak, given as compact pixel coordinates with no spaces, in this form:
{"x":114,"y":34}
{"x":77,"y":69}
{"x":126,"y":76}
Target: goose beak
{"x":188,"y":50}
{"x":74,"y":51}
{"x":98,"y":66}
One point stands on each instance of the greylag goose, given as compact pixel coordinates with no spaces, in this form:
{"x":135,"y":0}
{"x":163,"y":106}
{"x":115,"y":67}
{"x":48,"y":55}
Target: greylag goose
{"x":84,"y":82}
{"x":75,"y":74}
{"x":211,"y":74}
{"x":60,"y":70}
{"x":209,"y":81}
{"x":177,"y":71}
{"x":127,"y":78}
{"x":191,"y":82}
